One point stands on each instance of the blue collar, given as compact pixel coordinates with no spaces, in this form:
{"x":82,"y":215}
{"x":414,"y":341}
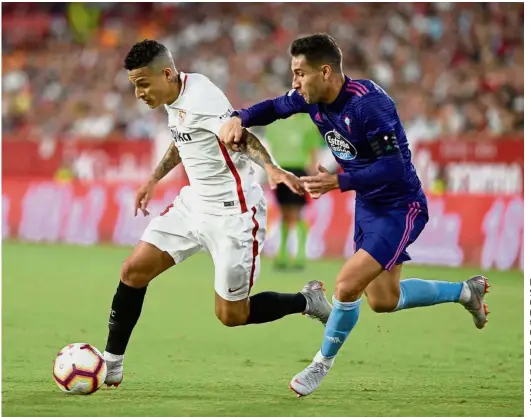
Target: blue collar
{"x":341,"y":98}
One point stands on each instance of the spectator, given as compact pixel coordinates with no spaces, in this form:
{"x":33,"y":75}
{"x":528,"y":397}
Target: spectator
{"x":453,"y":68}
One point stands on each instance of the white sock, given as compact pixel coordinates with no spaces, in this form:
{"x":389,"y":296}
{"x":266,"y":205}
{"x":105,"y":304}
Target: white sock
{"x":111,"y":357}
{"x":326,"y":361}
{"x":465,"y":295}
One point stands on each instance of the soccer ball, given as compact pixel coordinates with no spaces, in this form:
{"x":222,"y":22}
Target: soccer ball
{"x":79,"y":368}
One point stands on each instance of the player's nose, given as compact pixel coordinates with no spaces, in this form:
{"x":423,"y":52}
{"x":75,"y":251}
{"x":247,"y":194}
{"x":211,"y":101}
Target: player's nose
{"x":295,"y":83}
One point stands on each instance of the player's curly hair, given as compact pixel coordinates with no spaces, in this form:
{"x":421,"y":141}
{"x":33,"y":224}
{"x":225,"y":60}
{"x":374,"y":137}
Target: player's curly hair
{"x":144,"y":53}
{"x":318,"y":49}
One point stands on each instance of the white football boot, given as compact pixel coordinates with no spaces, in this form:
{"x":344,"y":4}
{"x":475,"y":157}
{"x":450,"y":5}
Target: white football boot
{"x":115,"y":369}
{"x":307,"y":381}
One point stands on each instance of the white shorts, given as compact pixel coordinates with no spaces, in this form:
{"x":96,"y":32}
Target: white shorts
{"x":234,"y":242}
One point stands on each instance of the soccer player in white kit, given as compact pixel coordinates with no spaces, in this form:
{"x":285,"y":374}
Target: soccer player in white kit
{"x":222,"y":210}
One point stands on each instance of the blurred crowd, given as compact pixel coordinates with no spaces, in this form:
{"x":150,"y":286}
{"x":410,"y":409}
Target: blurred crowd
{"x":453,"y":69}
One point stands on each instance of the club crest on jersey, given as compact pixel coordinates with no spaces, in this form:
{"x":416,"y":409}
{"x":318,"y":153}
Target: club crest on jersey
{"x":340,"y":147}
{"x":181,"y":114}
{"x":347,"y":123}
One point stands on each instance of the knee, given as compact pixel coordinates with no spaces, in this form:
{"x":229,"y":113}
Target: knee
{"x":380,"y":304}
{"x":134,"y":275}
{"x":348,"y":290}
{"x":231,"y":318}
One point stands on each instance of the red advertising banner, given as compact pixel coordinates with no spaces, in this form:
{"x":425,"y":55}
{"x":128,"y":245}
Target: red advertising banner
{"x":90,"y":160}
{"x":475,"y":230}
{"x":481,"y":166}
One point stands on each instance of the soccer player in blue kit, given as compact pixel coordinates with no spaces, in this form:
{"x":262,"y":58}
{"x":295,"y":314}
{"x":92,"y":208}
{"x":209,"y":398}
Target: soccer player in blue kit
{"x":361,"y":126}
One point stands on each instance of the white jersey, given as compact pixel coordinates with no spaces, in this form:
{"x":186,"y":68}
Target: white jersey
{"x":221,"y":181}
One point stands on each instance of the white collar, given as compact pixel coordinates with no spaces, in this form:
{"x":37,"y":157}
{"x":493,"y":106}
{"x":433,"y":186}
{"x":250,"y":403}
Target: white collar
{"x":183,"y":77}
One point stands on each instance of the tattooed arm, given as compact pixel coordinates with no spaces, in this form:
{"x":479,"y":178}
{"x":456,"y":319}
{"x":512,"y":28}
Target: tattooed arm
{"x":169,"y":161}
{"x":276,"y":175}
{"x":144,"y":194}
{"x":257,"y":152}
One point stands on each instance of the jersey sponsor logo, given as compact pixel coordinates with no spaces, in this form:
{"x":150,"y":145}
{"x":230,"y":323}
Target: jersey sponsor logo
{"x":179,"y":136}
{"x":184,"y":137}
{"x":340,"y":147}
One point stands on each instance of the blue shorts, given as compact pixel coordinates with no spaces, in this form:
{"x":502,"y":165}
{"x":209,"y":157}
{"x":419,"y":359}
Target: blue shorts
{"x":385,"y":233}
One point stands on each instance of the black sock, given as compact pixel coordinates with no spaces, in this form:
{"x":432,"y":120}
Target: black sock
{"x":125,"y":311}
{"x":271,"y":306}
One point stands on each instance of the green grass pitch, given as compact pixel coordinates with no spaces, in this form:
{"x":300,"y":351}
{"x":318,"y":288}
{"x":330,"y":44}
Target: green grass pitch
{"x":182,"y":362}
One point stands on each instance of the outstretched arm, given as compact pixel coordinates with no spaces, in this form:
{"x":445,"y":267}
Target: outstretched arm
{"x":267,"y":111}
{"x":261,"y":114}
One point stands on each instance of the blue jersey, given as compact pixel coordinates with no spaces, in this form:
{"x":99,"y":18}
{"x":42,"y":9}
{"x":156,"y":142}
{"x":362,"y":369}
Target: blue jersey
{"x":364,"y":132}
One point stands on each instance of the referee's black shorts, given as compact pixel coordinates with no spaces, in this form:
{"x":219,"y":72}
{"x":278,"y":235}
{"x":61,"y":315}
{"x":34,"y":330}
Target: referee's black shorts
{"x":285,"y":196}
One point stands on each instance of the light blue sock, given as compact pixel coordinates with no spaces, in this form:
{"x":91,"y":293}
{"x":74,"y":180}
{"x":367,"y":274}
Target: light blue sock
{"x":342,"y":320}
{"x":420,"y":293}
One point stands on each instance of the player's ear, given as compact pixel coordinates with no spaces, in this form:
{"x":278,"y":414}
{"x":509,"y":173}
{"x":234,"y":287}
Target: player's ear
{"x":326,"y":72}
{"x":168,"y":74}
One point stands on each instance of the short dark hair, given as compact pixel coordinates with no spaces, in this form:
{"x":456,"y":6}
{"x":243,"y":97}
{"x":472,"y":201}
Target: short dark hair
{"x":319,"y":48}
{"x":143,"y":53}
